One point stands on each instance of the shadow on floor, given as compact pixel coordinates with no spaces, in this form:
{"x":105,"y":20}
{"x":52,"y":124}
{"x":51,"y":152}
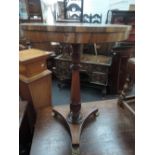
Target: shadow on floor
{"x":62,"y":95}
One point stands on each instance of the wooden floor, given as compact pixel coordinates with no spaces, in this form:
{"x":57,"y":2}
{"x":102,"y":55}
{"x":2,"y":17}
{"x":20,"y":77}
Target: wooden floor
{"x":111,"y":133}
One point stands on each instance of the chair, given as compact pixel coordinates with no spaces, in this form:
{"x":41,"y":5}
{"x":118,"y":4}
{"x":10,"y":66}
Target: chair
{"x":73,"y":10}
{"x":75,"y":16}
{"x":86,"y":18}
{"x":96,"y":18}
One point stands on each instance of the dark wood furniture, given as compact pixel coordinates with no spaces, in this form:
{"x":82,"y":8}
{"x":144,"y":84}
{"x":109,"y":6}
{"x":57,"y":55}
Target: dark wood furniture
{"x":123,"y":17}
{"x":92,"y":18}
{"x":34,"y":78}
{"x":34,"y":11}
{"x":73,"y":9}
{"x":118,"y":69}
{"x":111,"y":133}
{"x":94,"y":69}
{"x":75,"y":34}
{"x":27,"y":120}
{"x":22,"y":111}
{"x":70,"y":11}
{"x":86,"y":18}
{"x":96,"y":18}
{"x":125,"y":101}
{"x":123,"y":50}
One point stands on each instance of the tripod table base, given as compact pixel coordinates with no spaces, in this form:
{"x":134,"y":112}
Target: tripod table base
{"x":75,"y":129}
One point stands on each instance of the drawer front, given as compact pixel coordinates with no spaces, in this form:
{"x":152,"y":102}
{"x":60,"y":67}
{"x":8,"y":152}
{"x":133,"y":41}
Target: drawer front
{"x":100,"y":78}
{"x":96,"y":72}
{"x":22,"y":69}
{"x":32,"y":69}
{"x":86,"y":67}
{"x":99,"y":68}
{"x":36,"y":67}
{"x":63,"y":64}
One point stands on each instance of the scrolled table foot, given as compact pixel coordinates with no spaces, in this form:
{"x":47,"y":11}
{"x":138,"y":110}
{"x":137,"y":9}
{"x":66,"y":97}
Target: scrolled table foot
{"x":75,"y":128}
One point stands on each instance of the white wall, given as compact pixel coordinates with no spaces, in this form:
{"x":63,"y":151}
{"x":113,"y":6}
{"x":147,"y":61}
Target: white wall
{"x":102,"y":6}
{"x":96,"y":6}
{"x":120,"y":4}
{"x":90,"y":7}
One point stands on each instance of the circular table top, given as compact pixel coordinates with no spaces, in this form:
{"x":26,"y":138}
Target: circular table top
{"x":75,"y":32}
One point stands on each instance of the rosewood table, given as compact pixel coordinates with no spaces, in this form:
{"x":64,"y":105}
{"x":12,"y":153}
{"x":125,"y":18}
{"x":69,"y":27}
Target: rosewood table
{"x":75,"y":34}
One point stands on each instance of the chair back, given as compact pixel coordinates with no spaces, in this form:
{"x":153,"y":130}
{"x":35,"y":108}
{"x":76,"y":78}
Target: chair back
{"x":86,"y":18}
{"x":73,"y":9}
{"x":96,"y":18}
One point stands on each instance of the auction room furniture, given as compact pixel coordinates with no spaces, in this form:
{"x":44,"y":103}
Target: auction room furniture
{"x":94,"y":69}
{"x":69,"y":11}
{"x":123,"y":17}
{"x":34,"y":10}
{"x":92,"y":18}
{"x":118,"y":72}
{"x":73,"y":9}
{"x":27,"y":120}
{"x":30,"y":11}
{"x":75,"y":34}
{"x":96,"y":18}
{"x":125,"y":101}
{"x":35,"y":78}
{"x":124,"y":49}
{"x":86,"y":18}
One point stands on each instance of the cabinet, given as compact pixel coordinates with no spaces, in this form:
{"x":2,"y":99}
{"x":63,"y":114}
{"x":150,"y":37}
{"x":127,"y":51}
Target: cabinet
{"x":94,"y":69}
{"x":123,"y":50}
{"x":35,"y":78}
{"x":123,"y":17}
{"x":30,"y":11}
{"x":27,"y":118}
{"x":34,"y":9}
{"x":118,"y":69}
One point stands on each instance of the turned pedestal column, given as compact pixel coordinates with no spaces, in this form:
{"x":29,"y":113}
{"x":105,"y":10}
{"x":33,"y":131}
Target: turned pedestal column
{"x":76,"y":117}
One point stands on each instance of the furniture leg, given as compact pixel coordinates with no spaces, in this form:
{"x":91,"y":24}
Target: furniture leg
{"x":76,"y":118}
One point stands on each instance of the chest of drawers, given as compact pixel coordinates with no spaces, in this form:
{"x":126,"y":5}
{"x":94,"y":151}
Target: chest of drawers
{"x":95,"y":68}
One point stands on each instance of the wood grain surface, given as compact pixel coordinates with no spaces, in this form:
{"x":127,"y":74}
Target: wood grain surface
{"x":111,"y":133}
{"x":32,"y":54}
{"x":34,"y":78}
{"x":75,"y":32}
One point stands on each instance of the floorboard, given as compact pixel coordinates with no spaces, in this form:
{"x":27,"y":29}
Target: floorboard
{"x":111,"y":133}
